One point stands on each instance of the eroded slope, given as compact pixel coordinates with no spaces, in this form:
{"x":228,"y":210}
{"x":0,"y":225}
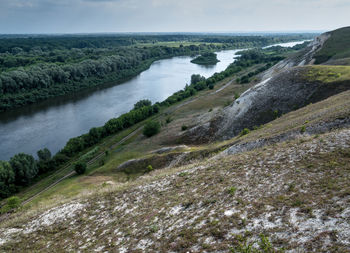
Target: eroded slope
{"x":296,"y":194}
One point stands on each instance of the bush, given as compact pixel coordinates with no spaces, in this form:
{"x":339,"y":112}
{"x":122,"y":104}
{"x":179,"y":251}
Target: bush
{"x":151,"y":128}
{"x":12,"y":203}
{"x":80,"y":168}
{"x":245,"y":131}
{"x":168,"y":120}
{"x":149,"y":168}
{"x":232,"y":190}
{"x":184,"y":127}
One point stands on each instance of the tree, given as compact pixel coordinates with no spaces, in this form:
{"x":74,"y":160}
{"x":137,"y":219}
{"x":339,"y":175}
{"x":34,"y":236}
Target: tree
{"x":151,"y":128}
{"x":142,"y":103}
{"x":80,"y":168}
{"x":44,"y":155}
{"x":197,"y":78}
{"x":24,"y":167}
{"x":7,"y":179}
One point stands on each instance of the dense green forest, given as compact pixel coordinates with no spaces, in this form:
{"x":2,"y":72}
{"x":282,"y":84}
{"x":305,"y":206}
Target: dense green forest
{"x":206,"y":59}
{"x":39,"y":67}
{"x":23,"y":169}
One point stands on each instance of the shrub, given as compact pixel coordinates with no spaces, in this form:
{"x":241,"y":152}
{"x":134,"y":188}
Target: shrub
{"x":232,"y":190}
{"x":168,"y":120}
{"x":245,"y":131}
{"x":151,"y":128}
{"x":80,"y":168}
{"x":302,"y":129}
{"x":149,"y":168}
{"x":184,"y":127}
{"x":12,"y":203}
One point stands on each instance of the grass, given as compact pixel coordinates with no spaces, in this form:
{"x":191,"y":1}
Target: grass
{"x":336,"y":47}
{"x":327,"y":73}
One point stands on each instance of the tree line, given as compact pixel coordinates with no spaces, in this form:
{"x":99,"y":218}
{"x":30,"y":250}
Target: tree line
{"x":38,"y":82}
{"x":34,"y":68}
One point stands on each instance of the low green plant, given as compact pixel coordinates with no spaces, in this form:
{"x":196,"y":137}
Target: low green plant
{"x":303,"y":129}
{"x":245,"y":131}
{"x":183,"y":174}
{"x":184,"y":127}
{"x":232,"y":190}
{"x":237,"y":95}
{"x":149,"y":168}
{"x":154,"y":228}
{"x":168,"y":120}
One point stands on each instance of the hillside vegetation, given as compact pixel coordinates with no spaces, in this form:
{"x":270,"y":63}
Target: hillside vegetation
{"x":336,"y":47}
{"x":278,"y":197}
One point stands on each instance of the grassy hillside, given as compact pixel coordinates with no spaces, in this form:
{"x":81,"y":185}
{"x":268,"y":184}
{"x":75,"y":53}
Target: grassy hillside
{"x":336,"y":47}
{"x":292,"y":195}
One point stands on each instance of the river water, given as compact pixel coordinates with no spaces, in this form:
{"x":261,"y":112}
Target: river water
{"x":52,"y":123}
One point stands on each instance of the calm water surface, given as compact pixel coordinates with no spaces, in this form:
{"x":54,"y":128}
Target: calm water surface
{"x":50,"y":124}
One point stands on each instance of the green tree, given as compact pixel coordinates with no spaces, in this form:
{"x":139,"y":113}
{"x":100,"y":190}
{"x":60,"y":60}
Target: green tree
{"x":142,"y":103}
{"x":24,"y":167}
{"x":44,"y":155}
{"x":197,"y":78}
{"x":151,"y":128}
{"x":7,"y":179}
{"x":80,"y":168}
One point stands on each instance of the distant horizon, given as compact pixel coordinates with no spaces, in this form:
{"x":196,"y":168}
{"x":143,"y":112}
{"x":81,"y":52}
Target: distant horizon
{"x":178,"y":32}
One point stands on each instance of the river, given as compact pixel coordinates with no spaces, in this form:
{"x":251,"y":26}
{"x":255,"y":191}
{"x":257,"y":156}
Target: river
{"x":52,"y":123}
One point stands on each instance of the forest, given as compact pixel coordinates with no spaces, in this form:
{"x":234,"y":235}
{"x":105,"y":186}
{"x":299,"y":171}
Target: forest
{"x":36,"y":68}
{"x":22,"y":169}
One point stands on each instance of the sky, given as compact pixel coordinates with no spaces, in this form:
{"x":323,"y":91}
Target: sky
{"x":99,"y":16}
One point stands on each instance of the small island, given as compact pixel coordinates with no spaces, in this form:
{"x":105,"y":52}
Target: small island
{"x":206,"y":59}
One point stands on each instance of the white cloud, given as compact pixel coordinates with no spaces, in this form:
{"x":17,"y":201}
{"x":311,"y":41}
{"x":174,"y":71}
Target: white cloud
{"x":170,"y":15}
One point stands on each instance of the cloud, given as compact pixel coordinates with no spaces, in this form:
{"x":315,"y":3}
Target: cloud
{"x":42,"y":16}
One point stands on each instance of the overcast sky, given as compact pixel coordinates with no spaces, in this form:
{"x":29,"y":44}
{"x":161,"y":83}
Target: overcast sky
{"x":88,"y":16}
